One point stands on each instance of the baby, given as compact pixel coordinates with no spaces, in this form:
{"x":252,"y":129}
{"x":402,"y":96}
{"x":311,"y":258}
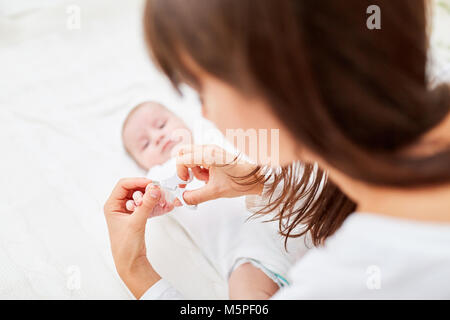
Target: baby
{"x":150,"y":135}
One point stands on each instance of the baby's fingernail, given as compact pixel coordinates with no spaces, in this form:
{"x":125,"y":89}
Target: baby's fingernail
{"x":129,"y":205}
{"x":154,"y":193}
{"x":137,"y":196}
{"x":153,"y":184}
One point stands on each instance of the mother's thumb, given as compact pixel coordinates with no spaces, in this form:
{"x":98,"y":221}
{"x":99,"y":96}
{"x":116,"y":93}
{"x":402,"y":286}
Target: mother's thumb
{"x":194,"y":197}
{"x":149,"y":201}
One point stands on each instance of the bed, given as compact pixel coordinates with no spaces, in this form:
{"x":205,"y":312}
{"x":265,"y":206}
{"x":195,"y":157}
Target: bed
{"x":64,"y":94}
{"x":70,"y":71}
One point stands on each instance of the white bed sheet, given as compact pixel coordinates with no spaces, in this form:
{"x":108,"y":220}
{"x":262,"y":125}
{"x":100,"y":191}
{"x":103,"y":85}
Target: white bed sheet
{"x":63,"y":96}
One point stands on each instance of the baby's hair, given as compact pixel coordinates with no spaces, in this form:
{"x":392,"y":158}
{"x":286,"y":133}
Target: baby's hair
{"x":125,"y":123}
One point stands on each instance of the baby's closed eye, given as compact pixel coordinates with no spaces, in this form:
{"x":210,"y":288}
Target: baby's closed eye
{"x":160,"y":123}
{"x":145,"y":144}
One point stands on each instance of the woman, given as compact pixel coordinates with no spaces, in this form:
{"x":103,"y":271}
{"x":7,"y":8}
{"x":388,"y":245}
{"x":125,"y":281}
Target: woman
{"x":352,"y":100}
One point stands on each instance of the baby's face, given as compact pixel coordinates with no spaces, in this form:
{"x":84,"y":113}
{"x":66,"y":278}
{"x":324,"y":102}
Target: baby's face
{"x":151,"y":134}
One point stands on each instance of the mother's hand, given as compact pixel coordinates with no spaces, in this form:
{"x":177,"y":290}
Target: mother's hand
{"x":221,"y":171}
{"x":127,"y":232}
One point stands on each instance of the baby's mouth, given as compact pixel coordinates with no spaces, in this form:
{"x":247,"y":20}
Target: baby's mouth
{"x":169,"y":145}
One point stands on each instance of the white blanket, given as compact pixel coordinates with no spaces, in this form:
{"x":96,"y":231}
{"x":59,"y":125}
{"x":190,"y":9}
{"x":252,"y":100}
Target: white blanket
{"x":64,"y":94}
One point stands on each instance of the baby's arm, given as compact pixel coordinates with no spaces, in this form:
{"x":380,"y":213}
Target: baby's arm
{"x":248,"y":282}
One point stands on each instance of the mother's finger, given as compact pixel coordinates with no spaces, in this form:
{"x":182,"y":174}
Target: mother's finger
{"x":125,"y":185}
{"x":122,"y":192}
{"x":149,"y":202}
{"x":193,"y":157}
{"x":202,"y":194}
{"x":204,"y":155}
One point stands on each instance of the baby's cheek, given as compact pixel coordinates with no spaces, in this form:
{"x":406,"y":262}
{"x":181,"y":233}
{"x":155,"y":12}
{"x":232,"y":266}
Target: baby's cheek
{"x":153,"y":158}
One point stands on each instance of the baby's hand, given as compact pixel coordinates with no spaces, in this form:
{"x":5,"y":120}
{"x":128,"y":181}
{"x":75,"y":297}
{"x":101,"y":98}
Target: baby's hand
{"x":136,"y":202}
{"x":162,"y":208}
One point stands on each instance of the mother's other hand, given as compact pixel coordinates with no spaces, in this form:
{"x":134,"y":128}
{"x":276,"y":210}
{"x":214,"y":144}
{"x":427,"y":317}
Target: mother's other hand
{"x":127,"y":232}
{"x":221,"y":171}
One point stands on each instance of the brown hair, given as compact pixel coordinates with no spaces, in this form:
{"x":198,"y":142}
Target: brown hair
{"x":355,"y":97}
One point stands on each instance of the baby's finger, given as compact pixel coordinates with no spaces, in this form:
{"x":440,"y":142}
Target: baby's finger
{"x":177,"y":203}
{"x":168,"y":207}
{"x":137,"y":197}
{"x":121,"y":192}
{"x":183,"y":171}
{"x":150,"y":202}
{"x":162,"y":202}
{"x":130,"y":205}
{"x":158,"y":211}
{"x":150,"y":185}
{"x":204,"y":155}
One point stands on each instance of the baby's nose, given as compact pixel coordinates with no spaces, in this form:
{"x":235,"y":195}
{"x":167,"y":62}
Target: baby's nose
{"x":159,"y":139}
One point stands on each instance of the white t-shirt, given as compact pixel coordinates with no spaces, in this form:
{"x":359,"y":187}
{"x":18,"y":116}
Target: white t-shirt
{"x":369,"y":257}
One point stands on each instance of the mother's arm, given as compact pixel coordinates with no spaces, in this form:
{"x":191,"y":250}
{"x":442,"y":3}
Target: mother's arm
{"x":127,"y":233}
